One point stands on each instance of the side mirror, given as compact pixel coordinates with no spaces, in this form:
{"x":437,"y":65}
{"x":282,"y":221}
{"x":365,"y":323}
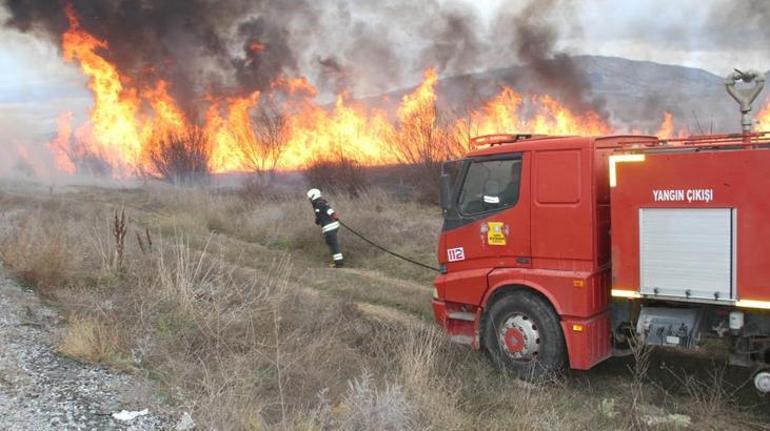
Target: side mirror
{"x":446,"y":192}
{"x":491,"y":192}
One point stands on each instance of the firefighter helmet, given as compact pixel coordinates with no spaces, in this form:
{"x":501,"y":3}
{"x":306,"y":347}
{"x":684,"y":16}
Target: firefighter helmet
{"x":313,"y":194}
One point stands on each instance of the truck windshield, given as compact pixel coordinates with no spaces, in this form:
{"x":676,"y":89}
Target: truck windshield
{"x":490,"y":185}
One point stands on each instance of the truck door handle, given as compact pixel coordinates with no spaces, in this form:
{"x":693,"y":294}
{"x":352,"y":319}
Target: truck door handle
{"x":522,"y":260}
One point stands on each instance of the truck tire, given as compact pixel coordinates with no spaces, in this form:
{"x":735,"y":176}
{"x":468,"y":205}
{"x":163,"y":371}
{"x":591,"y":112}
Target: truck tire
{"x":523,"y":334}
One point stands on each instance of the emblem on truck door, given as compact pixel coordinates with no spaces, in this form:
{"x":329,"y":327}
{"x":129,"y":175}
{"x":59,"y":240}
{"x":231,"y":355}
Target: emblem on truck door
{"x":497,"y":233}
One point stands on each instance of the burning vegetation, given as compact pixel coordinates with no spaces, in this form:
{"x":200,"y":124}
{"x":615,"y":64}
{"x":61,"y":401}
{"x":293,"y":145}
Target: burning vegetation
{"x":137,"y":127}
{"x":156,"y":111}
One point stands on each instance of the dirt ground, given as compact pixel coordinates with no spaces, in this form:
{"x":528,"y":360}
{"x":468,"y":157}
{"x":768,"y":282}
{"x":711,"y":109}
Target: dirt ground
{"x":236,"y":285}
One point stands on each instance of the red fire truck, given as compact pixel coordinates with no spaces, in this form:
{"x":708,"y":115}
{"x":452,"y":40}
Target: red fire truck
{"x":561,"y":251}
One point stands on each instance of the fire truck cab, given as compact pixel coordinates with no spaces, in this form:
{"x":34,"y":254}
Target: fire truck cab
{"x":561,"y":251}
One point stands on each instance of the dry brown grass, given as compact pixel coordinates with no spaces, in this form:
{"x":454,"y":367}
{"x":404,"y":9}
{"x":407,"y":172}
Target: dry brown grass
{"x":90,"y":339}
{"x":39,"y":251}
{"x":232,"y":312}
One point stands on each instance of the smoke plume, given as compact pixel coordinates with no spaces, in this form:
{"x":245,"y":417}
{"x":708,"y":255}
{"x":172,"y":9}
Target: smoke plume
{"x":533,"y":41}
{"x":362,"y":47}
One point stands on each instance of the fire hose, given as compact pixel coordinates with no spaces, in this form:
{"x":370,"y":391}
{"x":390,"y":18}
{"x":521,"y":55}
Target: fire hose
{"x":390,"y":252}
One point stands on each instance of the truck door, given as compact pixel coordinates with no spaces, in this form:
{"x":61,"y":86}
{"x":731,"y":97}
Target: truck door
{"x":490,"y":220}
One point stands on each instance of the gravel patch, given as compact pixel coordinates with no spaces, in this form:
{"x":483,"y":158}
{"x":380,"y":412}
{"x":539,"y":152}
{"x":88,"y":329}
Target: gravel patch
{"x":41,"y":390}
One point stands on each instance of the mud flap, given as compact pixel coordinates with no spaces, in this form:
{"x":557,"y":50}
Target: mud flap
{"x":589,"y":341}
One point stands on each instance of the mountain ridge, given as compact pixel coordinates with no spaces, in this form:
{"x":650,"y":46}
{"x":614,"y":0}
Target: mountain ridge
{"x":633,"y":94}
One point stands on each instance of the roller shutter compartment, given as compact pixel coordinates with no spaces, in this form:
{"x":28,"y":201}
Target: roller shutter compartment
{"x":687,"y":252}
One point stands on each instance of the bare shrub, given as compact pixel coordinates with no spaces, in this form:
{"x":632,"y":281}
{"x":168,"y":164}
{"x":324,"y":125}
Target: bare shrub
{"x":181,"y":159}
{"x":340,"y":174}
{"x":83,"y":159}
{"x":711,"y":398}
{"x":423,"y":142}
{"x":264,"y":148}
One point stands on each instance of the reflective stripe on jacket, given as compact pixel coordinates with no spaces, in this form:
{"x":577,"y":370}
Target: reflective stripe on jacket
{"x":324,"y":215}
{"x":330,"y":227}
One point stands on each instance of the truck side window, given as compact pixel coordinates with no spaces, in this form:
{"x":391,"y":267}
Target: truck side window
{"x":490,"y":185}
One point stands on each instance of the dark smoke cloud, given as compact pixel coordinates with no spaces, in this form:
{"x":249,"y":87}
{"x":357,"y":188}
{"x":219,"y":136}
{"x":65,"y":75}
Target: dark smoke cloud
{"x":371,"y":46}
{"x":532,"y":39}
{"x":266,"y":54}
{"x":363,"y":46}
{"x":333,"y":75}
{"x":187,"y":42}
{"x":456,"y":40}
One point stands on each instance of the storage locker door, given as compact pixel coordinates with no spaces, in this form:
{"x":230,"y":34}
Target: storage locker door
{"x":687,"y":252}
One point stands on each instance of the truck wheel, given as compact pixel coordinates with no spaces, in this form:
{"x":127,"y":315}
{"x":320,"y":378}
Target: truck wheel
{"x":523,"y":334}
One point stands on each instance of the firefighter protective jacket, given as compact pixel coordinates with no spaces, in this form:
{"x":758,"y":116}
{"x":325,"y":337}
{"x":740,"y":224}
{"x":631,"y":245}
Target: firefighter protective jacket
{"x":325,"y":216}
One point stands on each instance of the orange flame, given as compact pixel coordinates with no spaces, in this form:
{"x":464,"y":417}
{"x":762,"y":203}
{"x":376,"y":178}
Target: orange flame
{"x":295,"y":86}
{"x":667,"y":127}
{"x":230,"y":134}
{"x":763,"y":119}
{"x":504,"y":114}
{"x":669,"y":130}
{"x":423,"y":97}
{"x":317,"y":134}
{"x":112,"y":134}
{"x":61,"y":144}
{"x":351,"y":130}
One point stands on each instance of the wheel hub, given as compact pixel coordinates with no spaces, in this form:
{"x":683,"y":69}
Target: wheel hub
{"x":762,"y":381}
{"x":519,"y":338}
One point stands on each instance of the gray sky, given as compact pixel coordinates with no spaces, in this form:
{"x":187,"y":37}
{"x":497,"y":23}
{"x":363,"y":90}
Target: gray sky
{"x":692,"y":33}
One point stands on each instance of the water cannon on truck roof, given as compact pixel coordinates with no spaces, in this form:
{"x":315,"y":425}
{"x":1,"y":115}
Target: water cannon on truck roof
{"x":564,"y":251}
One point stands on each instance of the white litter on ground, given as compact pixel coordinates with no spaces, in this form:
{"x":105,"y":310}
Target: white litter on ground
{"x":127,"y":416}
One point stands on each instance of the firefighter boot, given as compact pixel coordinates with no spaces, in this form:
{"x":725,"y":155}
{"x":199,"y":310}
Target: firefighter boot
{"x":337,"y":264}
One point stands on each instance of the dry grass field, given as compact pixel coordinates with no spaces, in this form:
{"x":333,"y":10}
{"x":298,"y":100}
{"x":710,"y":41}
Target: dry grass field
{"x":225,"y":299}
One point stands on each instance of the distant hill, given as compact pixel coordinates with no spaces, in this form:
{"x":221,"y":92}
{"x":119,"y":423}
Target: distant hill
{"x":635,"y":93}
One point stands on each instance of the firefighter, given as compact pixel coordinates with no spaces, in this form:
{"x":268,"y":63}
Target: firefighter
{"x":327,"y":219}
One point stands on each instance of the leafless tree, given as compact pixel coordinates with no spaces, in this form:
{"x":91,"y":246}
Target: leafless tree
{"x":181,"y":159}
{"x":423,"y":142}
{"x":263,"y":150}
